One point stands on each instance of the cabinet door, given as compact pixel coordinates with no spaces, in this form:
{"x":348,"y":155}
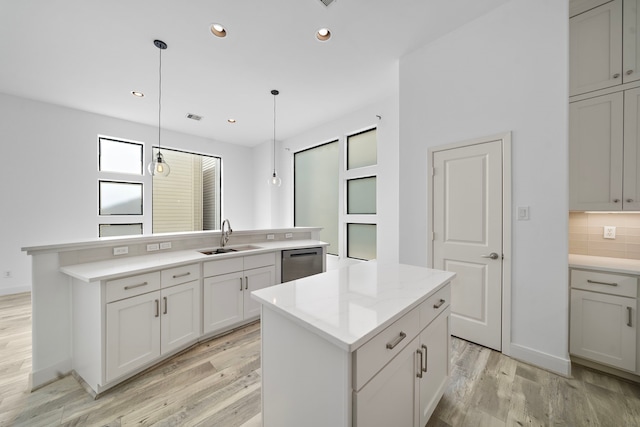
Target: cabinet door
{"x":180,"y":323}
{"x":631,"y":41}
{"x":133,"y":333}
{"x":631,"y":183}
{"x":222,"y":301}
{"x":595,"y":153}
{"x":595,"y":49}
{"x":389,"y":398}
{"x":603,"y":328}
{"x":435,"y":343}
{"x":255,"y":279}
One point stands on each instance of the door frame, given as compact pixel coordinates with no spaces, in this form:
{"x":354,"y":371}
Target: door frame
{"x":505,"y":139}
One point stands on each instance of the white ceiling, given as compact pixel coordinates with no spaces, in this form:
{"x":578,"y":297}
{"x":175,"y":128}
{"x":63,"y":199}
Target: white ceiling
{"x":90,"y":54}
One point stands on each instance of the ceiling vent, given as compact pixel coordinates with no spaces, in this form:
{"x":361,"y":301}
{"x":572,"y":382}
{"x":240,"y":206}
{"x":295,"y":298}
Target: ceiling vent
{"x":194,"y":117}
{"x":326,"y":2}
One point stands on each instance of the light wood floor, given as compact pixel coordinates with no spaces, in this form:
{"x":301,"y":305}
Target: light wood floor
{"x":218,"y":384}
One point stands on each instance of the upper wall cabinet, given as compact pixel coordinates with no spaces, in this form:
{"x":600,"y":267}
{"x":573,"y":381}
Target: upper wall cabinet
{"x":604,"y":47}
{"x":604,"y":152}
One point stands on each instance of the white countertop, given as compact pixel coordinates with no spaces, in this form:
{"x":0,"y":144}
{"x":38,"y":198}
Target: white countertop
{"x":350,"y":305}
{"x":614,"y":265}
{"x":118,"y":267}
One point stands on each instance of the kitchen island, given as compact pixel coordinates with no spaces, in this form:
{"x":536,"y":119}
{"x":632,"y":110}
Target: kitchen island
{"x":363,"y":345}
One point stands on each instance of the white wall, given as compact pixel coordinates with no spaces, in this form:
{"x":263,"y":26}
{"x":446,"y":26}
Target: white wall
{"x":387,"y":182}
{"x":48,"y":178}
{"x":506,"y":71}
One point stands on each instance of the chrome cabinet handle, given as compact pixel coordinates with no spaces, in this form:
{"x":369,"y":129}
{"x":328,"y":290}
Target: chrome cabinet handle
{"x":629,"y":319}
{"x":241,"y":283}
{"x":246,"y":283}
{"x":616,"y":200}
{"x":629,"y":72}
{"x":595,"y":282}
{"x":426,"y":357}
{"x":439,"y":304}
{"x":616,"y":75}
{"x":175,"y":276}
{"x":420,"y":369}
{"x":392,"y":344}
{"x":126,"y":288}
{"x":492,"y":255}
{"x":629,"y":200}
{"x":165,"y":305}
{"x":157,"y":308}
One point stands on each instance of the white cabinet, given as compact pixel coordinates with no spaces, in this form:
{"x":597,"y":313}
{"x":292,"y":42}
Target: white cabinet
{"x":604,"y":152}
{"x":141,"y":328}
{"x":603,"y":318}
{"x":227,"y":287}
{"x":406,"y":387}
{"x":604,"y":47}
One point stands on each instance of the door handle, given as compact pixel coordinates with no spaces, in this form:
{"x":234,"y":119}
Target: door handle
{"x":420,"y":368}
{"x":492,"y":255}
{"x":629,"y":312}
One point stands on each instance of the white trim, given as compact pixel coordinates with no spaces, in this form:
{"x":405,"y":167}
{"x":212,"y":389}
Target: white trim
{"x":561,"y":366}
{"x":505,"y":138}
{"x":42,"y":377}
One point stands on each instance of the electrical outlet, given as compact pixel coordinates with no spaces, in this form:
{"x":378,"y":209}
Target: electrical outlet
{"x":122,"y":250}
{"x":288,"y":235}
{"x":609,"y":232}
{"x":152,"y":247}
{"x":523,"y":213}
{"x":165,"y":245}
{"x":271,"y":236}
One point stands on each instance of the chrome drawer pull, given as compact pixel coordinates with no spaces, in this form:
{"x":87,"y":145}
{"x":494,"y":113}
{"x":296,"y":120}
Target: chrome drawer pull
{"x":595,"y":282}
{"x":426,"y":358}
{"x":391,"y":345}
{"x":439,"y":304}
{"x":126,"y":288}
{"x":176,"y":276}
{"x":420,"y":369}
{"x":629,"y":312}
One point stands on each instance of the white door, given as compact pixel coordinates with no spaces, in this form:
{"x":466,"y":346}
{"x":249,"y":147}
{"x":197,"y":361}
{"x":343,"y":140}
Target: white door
{"x":222,"y":301}
{"x":255,"y":279}
{"x":180,"y":315}
{"x":631,"y":150}
{"x":467,"y":225}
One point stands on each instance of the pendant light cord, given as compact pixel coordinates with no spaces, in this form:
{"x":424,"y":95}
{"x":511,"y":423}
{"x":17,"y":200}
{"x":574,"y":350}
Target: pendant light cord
{"x":274,"y":134}
{"x":159,"y":97}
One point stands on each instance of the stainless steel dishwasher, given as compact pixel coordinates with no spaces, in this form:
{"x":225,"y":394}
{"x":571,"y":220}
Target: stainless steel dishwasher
{"x":297,"y":263}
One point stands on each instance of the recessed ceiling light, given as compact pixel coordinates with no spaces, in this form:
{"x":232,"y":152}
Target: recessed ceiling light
{"x":218,"y":30}
{"x":231,"y":120}
{"x":137,"y":94}
{"x":323,"y":34}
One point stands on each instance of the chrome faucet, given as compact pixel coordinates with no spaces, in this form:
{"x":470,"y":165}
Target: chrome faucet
{"x":224,"y":238}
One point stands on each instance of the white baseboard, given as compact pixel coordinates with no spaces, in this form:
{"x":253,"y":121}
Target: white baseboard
{"x":546,"y":361}
{"x":15,"y":290}
{"x":48,"y":375}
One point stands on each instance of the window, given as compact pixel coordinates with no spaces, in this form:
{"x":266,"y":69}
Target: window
{"x":189,"y":198}
{"x":120,"y":187}
{"x":340,"y":195}
{"x":316,"y":185}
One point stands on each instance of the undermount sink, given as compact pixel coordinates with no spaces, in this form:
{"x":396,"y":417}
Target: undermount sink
{"x":226,"y":250}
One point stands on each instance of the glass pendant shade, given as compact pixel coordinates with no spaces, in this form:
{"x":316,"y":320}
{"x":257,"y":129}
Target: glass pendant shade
{"x":158,"y":167}
{"x":275,"y":180}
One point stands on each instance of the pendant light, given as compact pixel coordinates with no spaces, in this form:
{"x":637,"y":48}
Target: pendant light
{"x":274,"y":179}
{"x":158,"y":167}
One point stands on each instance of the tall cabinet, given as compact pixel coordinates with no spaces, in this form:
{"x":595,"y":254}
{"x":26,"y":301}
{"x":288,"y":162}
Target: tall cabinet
{"x":603,"y":116}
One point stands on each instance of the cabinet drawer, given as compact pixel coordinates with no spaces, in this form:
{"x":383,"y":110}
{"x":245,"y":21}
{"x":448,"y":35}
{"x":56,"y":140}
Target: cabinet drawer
{"x":261,"y":260}
{"x":223,"y":266}
{"x":607,"y":283}
{"x":131,"y":286}
{"x":375,"y":354}
{"x":182,"y":274}
{"x":434,"y":305}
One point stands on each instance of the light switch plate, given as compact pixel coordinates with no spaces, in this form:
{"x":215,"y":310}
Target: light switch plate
{"x":152,"y":247}
{"x":609,"y":232}
{"x":122,"y":250}
{"x":165,"y":245}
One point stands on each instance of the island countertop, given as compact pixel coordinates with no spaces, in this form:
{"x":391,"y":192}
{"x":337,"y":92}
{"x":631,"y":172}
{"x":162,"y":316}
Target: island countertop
{"x":350,"y":305}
